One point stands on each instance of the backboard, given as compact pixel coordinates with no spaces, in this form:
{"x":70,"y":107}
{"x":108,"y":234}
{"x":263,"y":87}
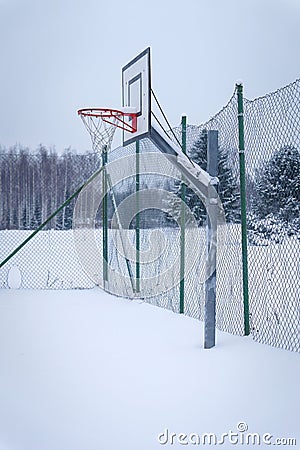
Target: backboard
{"x":136,"y":93}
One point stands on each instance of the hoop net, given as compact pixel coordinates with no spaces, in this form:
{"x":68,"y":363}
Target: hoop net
{"x":102,"y":124}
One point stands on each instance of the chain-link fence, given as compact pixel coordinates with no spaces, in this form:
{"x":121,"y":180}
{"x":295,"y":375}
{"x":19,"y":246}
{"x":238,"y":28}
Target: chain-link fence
{"x":272,"y":132}
{"x":229,"y":261}
{"x":50,"y":259}
{"x":32,"y":186}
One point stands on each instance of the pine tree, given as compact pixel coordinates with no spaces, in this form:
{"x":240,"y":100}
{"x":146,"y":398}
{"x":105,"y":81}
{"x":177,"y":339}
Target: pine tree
{"x":277,"y":183}
{"x":276,"y":204}
{"x":36,"y":220}
{"x":228,"y":189}
{"x":24,"y":224}
{"x":68,"y":216}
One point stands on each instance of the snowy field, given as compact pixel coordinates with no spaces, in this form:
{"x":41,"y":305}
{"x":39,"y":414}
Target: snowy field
{"x":83,"y":370}
{"x":50,"y":261}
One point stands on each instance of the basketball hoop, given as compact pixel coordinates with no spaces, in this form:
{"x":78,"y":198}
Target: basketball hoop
{"x":102,"y":123}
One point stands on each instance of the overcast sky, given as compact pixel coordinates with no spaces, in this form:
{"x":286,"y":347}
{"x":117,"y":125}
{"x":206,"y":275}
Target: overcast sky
{"x":61,"y":55}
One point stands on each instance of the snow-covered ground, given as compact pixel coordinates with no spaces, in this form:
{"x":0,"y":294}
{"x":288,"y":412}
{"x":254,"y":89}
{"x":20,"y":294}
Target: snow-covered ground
{"x":50,"y":261}
{"x":83,"y":370}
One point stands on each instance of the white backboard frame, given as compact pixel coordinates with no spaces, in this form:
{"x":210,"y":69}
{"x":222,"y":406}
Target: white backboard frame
{"x":136,"y":93}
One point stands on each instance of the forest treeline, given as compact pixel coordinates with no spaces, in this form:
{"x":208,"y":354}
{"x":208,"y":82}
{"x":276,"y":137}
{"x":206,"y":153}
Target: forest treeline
{"x":33,"y":185}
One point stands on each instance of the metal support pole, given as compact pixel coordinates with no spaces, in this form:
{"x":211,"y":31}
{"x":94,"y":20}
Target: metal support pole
{"x":182,"y":222}
{"x":137,"y":219}
{"x":243,"y":207}
{"x":212,"y":218}
{"x":104,"y":219}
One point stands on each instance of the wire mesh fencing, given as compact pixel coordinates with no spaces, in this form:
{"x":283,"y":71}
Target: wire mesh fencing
{"x":33,"y":185}
{"x":144,"y":243}
{"x":272,"y":132}
{"x":163,"y":268}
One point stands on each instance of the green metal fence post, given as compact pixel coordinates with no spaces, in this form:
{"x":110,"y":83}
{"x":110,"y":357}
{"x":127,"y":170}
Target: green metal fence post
{"x":104,"y":219}
{"x":243,"y":206}
{"x":182,"y":222}
{"x":137,"y":219}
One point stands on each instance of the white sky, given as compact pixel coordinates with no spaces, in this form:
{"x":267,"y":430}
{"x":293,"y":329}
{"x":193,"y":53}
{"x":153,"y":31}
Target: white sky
{"x":61,"y":55}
